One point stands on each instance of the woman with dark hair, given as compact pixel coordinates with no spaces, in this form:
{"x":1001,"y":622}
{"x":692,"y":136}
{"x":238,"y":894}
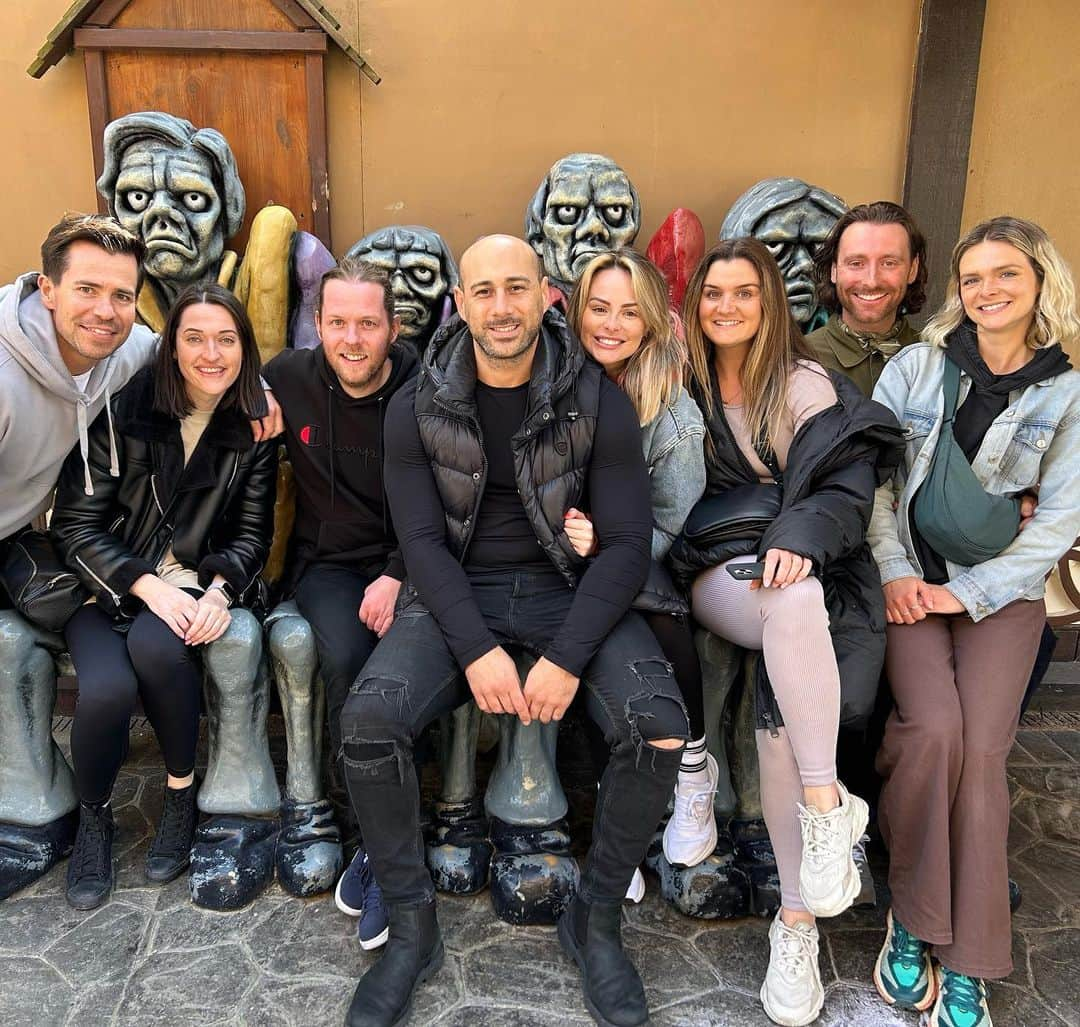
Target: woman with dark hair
{"x":619,"y":310}
{"x":168,"y":527}
{"x":775,"y":419}
{"x":990,"y":408}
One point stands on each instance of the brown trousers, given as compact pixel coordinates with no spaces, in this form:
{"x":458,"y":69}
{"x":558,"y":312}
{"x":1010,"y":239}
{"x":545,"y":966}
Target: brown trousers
{"x":944,"y":809}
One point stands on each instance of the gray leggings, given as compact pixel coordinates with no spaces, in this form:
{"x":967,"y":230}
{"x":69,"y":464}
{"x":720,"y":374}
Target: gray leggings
{"x":790,"y":627}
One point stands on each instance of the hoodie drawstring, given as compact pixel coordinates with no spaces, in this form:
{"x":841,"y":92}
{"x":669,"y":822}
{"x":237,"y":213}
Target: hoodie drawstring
{"x":114,"y":460}
{"x":84,"y":445}
{"x":84,"y":441}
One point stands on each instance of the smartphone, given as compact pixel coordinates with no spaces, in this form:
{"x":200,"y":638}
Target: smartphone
{"x":746,"y":571}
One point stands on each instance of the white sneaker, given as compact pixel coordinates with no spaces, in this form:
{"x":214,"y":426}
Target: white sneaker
{"x":792,"y":993}
{"x":828,"y":877}
{"x":636,"y":891}
{"x":690,"y":834}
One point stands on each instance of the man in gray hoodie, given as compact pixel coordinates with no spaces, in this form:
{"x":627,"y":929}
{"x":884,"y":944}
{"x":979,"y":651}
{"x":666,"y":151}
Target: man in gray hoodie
{"x":68,"y":341}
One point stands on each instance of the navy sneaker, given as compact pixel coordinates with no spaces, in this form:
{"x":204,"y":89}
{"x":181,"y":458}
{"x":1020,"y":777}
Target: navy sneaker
{"x":357,"y":894}
{"x":374,"y":926}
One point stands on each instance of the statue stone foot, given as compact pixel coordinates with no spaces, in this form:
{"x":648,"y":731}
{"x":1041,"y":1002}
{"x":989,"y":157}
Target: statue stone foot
{"x":458,"y":849}
{"x":754,"y":854}
{"x":717,"y":888}
{"x":309,"y":857}
{"x":533,"y":875}
{"x":27,"y":853}
{"x":232,"y":860}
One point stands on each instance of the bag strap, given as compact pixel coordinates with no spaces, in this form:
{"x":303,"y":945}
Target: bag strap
{"x":950,"y":387}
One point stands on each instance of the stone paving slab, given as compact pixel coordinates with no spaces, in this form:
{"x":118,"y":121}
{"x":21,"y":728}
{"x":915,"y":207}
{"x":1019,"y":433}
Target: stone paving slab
{"x":149,"y":958}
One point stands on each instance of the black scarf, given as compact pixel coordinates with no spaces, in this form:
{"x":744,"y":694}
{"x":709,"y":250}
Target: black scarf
{"x":989,"y":393}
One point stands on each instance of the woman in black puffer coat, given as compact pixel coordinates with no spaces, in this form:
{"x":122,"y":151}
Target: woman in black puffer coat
{"x":774,"y":417}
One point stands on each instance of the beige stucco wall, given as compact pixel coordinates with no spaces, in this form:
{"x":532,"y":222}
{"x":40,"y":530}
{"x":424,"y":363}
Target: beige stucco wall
{"x":1025,"y":147}
{"x":697,"y":102}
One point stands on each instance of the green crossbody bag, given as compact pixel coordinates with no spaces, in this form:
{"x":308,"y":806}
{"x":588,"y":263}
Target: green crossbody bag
{"x":953,"y":512}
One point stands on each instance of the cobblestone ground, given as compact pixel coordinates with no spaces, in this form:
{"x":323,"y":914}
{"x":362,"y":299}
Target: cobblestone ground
{"x":149,"y":957}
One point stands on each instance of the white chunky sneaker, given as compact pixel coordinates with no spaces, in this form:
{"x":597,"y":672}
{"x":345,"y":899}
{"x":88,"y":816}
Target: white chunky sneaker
{"x":828,"y":877}
{"x":792,"y":993}
{"x":690,"y":834}
{"x":636,"y":892}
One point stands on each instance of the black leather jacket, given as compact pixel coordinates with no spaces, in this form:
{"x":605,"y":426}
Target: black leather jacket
{"x":217,"y":512}
{"x":835,"y":463}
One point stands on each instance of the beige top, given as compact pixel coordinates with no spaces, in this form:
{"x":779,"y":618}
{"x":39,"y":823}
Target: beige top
{"x":191,"y":430}
{"x":809,"y":392}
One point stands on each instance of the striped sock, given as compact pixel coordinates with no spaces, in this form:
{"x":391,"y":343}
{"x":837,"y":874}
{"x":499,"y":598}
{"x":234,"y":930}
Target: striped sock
{"x":693,"y":767}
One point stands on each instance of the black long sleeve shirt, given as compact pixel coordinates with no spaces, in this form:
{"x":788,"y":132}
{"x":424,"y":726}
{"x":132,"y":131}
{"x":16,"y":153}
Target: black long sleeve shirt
{"x":617,"y":500}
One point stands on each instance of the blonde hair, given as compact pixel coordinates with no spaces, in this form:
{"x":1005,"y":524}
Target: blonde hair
{"x":774,"y":351}
{"x":1055,"y":317}
{"x":653,"y":375}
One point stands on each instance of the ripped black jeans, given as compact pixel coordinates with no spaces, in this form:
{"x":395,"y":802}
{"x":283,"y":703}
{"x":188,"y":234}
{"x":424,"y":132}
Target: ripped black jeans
{"x":412,"y":678}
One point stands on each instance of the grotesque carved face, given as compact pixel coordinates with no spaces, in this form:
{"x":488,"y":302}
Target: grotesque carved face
{"x":793,"y":234}
{"x":590,"y":207}
{"x":167,"y":195}
{"x":792,"y":219}
{"x":421,"y":271}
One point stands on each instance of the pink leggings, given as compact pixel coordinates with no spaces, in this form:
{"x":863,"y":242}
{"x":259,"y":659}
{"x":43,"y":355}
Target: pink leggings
{"x":790,"y":627}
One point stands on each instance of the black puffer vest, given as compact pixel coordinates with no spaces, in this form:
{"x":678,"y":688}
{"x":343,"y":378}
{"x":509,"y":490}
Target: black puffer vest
{"x":551,"y":449}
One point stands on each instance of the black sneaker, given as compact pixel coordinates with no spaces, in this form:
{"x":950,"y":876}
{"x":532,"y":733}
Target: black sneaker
{"x":170,"y":851}
{"x":90,"y":871}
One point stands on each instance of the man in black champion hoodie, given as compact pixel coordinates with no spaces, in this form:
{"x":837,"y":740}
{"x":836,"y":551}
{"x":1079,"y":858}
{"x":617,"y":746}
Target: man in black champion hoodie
{"x":345,"y":570}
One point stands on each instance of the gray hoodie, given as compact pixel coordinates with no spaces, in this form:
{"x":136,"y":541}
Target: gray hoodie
{"x":43,"y":414}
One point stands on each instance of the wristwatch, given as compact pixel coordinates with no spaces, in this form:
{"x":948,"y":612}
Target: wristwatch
{"x":227,"y":592}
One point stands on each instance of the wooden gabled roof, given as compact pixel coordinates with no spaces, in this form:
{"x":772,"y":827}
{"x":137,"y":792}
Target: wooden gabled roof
{"x":101,"y":13}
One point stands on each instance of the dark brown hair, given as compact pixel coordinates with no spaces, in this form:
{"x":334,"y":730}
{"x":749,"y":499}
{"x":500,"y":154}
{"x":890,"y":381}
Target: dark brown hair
{"x":880,"y":212}
{"x":774,"y":351}
{"x":353,"y":270}
{"x":99,"y":229}
{"x":170,"y":390}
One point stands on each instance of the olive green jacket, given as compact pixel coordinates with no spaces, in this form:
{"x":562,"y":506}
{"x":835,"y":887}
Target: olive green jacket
{"x":840,"y":350}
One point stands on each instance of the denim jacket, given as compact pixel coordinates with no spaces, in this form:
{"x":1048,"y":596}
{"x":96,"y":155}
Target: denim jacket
{"x":1034,"y":442}
{"x":674,"y":446}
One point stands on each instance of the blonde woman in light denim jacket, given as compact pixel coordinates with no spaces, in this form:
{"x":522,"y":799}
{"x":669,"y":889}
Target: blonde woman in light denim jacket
{"x":619,"y":310}
{"x":962,"y":640}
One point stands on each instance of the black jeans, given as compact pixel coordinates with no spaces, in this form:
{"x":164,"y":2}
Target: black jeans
{"x":329,"y":599}
{"x":412,"y":678}
{"x":113,"y":669}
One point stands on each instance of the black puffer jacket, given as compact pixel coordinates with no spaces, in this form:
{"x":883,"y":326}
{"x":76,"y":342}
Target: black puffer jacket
{"x":551,"y":448}
{"x":836,"y":461}
{"x":217,"y":512}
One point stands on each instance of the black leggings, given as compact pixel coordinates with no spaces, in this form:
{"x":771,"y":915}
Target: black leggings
{"x":676,"y":638}
{"x":114,"y":669}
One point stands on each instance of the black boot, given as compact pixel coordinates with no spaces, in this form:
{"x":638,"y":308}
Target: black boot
{"x":413,"y":953}
{"x":170,"y":851}
{"x":90,"y":872}
{"x":590,"y":935}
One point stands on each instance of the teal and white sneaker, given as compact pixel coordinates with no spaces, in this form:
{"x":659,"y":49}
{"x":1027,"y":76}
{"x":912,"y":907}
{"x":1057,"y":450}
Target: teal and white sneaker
{"x":961,"y":1001}
{"x":903,"y":974}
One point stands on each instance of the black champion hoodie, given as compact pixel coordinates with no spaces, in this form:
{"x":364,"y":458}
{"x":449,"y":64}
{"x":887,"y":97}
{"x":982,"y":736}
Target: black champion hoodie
{"x":335,"y":445}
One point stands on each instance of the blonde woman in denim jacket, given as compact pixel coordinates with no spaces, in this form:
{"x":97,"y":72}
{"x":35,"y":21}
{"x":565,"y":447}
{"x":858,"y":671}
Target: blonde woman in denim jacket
{"x":619,"y":310}
{"x":962,"y":640}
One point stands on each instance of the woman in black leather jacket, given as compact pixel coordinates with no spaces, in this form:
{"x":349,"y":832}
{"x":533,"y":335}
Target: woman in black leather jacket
{"x":167,"y":519}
